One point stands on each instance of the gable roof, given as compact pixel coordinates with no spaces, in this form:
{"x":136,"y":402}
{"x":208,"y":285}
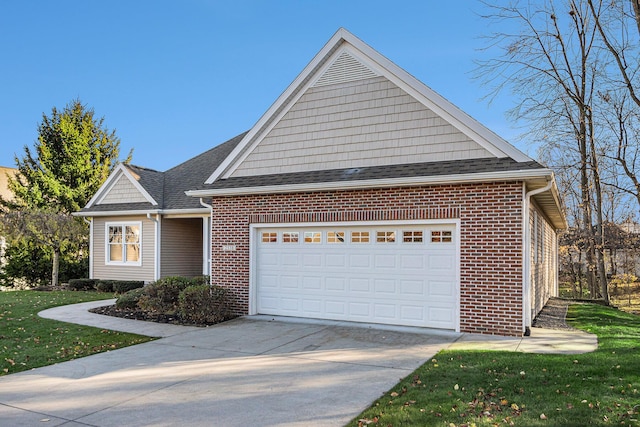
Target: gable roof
{"x":162,"y":191}
{"x":343,"y":52}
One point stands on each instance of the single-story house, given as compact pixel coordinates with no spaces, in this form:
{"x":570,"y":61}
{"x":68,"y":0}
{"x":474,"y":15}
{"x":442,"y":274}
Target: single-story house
{"x":360,"y":195}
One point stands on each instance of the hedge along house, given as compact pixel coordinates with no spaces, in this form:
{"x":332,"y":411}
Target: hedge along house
{"x":144,"y":226}
{"x":360,"y":195}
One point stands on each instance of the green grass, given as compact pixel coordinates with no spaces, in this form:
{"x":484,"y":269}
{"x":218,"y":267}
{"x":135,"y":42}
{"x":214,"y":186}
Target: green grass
{"x":487,"y":388}
{"x":28,"y":341}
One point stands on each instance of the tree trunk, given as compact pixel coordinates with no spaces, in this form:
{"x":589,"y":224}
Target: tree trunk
{"x":55,"y":267}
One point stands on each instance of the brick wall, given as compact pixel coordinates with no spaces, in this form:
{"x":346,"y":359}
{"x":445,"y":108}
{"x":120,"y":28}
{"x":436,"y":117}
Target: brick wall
{"x":490,"y":238}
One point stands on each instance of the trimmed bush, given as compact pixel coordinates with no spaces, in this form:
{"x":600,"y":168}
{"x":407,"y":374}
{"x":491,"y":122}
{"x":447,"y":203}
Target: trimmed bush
{"x":162,"y":296}
{"x":203,"y":304}
{"x":81,"y":284}
{"x":124,"y":286}
{"x":104,"y":285}
{"x":130,"y":299}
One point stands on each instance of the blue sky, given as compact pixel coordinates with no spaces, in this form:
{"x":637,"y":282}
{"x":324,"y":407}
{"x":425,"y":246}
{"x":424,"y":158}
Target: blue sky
{"x":175,"y":78}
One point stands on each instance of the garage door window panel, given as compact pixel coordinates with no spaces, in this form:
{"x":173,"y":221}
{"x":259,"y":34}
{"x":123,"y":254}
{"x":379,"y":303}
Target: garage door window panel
{"x":359,"y":237}
{"x":335,"y":237}
{"x":312,"y":237}
{"x":290,"y":237}
{"x":413,"y":236}
{"x":386,"y":236}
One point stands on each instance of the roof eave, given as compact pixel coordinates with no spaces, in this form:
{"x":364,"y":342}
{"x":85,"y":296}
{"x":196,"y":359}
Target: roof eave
{"x":376,"y":183}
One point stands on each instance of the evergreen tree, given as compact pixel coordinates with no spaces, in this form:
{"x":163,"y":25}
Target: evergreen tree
{"x":72,"y":157}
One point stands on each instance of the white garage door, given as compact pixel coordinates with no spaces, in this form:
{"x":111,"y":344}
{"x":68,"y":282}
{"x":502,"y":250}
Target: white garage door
{"x":398,"y":275}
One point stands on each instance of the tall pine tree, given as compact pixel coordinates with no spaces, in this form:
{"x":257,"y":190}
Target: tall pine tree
{"x":72,"y":157}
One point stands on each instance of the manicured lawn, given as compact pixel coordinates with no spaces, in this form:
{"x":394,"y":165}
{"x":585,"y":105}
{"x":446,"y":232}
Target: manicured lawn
{"x":486,"y":388}
{"x":28,"y":341}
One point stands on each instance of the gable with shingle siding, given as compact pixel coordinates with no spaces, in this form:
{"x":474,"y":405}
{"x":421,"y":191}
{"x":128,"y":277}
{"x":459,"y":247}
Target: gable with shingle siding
{"x":123,"y":191}
{"x":361,"y":123}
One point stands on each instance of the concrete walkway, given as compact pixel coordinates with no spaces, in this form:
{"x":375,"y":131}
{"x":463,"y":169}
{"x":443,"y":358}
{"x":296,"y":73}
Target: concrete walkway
{"x":249,"y":371}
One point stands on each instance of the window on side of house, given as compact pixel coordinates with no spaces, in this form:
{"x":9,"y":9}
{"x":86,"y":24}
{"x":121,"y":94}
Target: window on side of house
{"x":124,"y":243}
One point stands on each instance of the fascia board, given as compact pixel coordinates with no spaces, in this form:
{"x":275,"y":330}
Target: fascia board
{"x":121,"y":169}
{"x":377,"y":183}
{"x":439,"y":105}
{"x":116,"y":213}
{"x":106,"y":186}
{"x":139,"y":187}
{"x":196,"y":211}
{"x":233,"y":159}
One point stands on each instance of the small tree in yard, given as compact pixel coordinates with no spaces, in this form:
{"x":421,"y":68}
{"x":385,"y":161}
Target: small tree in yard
{"x":57,"y":231}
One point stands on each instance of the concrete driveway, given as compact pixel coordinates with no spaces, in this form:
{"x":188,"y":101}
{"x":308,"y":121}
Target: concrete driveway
{"x":245,"y":372}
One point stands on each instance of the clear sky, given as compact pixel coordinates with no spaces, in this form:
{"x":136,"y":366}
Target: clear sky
{"x":175,"y":78}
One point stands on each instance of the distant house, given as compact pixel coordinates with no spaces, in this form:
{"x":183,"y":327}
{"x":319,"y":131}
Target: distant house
{"x":360,"y":195}
{"x":6,"y":194}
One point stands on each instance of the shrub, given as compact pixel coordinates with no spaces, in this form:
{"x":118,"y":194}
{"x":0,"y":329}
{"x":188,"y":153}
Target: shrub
{"x":81,"y":284}
{"x":123,"y":286}
{"x":203,"y":304}
{"x":129,"y":300}
{"x":162,"y":296}
{"x":104,"y":285}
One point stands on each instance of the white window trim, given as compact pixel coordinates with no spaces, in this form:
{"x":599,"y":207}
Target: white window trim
{"x":122,"y":224}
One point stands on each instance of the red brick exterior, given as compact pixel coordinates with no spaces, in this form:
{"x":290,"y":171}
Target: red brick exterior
{"x":490,"y":238}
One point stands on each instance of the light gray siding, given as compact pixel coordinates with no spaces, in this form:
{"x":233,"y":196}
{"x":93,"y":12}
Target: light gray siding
{"x":368,"y":122}
{"x":544,"y":253}
{"x":123,"y":272}
{"x":181,"y":247}
{"x":123,"y":191}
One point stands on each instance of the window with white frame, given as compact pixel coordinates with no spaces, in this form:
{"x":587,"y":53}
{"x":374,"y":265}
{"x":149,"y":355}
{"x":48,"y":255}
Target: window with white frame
{"x":124,"y":241}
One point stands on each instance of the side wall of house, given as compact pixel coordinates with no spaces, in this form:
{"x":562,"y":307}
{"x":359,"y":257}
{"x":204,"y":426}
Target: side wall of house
{"x":544,"y":260}
{"x":181,"y":247}
{"x":101,"y":270}
{"x":490,"y":239}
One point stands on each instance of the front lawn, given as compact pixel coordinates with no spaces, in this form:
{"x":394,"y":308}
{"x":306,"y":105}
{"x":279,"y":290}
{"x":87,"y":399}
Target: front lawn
{"x":487,"y":388}
{"x":28,"y":341}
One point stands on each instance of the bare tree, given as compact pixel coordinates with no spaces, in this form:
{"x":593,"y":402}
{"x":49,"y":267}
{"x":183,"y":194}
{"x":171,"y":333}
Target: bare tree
{"x":552,"y":66}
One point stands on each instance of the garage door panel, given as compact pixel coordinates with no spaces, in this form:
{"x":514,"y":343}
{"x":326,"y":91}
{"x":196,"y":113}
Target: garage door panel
{"x":359,"y":260}
{"x":359,"y":285}
{"x":412,"y":262}
{"x":401,"y":279}
{"x":335,"y":284}
{"x":336,"y":260}
{"x":385,"y":286}
{"x":312,"y":282}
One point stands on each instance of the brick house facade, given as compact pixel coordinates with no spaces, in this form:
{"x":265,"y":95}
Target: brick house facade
{"x":360,"y":195}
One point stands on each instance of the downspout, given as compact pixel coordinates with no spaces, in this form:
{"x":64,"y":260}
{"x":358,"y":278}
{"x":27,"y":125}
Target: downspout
{"x":526,"y":261}
{"x":90,"y":246}
{"x":156,"y":261}
{"x":208,"y":239}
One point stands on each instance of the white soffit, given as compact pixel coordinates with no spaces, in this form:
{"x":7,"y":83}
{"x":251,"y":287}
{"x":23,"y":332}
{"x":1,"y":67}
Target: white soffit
{"x":349,"y":53}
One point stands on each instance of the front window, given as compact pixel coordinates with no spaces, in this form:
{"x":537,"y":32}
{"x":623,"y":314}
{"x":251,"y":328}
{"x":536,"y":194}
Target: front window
{"x":123,"y":243}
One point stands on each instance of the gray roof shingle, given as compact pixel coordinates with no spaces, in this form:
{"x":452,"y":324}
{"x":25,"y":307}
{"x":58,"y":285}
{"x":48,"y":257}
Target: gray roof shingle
{"x":442,"y":168}
{"x":167,"y":188}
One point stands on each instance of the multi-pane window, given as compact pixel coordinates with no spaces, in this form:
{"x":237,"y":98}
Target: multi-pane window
{"x":312,"y":237}
{"x":385,"y":236}
{"x":359,"y":237}
{"x":412,"y":236}
{"x":123,"y":243}
{"x":269,"y":237}
{"x":335,"y":237}
{"x":442,"y":236}
{"x":290,"y":237}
